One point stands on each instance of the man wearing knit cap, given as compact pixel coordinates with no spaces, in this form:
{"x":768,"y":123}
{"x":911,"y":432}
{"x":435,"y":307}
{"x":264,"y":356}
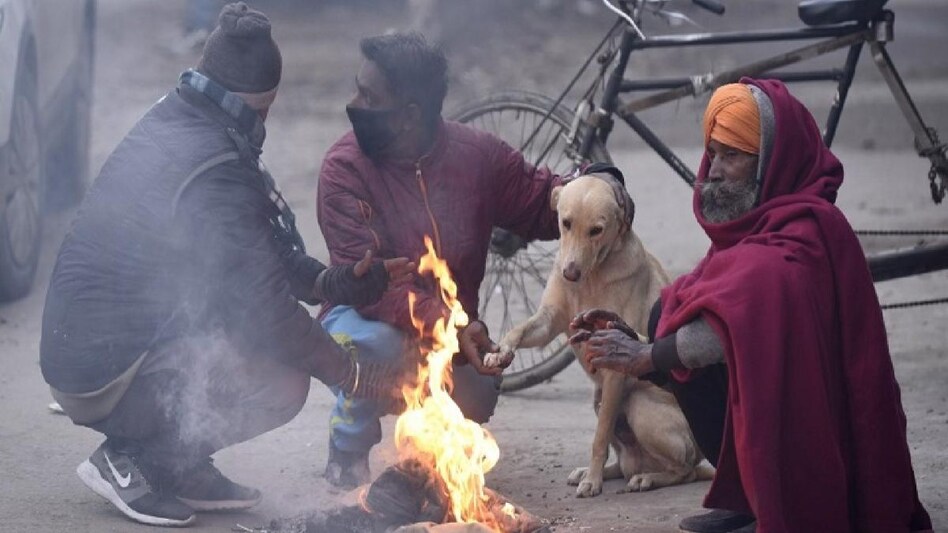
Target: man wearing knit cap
{"x":774,"y":345}
{"x":172,"y":323}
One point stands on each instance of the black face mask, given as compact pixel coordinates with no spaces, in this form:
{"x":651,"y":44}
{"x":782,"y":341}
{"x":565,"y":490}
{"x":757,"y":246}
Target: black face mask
{"x":371,"y":128}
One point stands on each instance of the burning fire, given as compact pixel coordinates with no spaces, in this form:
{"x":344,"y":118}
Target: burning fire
{"x":432,"y":429}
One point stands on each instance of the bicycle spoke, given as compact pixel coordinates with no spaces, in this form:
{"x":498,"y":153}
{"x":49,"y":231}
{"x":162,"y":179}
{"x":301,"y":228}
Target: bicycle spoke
{"x":531,"y":309}
{"x":549,"y":146}
{"x":488,"y":292}
{"x":537,"y":274}
{"x":537,"y":142}
{"x":507,"y":322}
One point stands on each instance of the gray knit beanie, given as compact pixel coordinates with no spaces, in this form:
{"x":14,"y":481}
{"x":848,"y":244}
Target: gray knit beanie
{"x":240,"y":53}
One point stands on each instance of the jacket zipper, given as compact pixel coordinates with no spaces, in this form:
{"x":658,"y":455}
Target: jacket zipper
{"x":424,"y":195}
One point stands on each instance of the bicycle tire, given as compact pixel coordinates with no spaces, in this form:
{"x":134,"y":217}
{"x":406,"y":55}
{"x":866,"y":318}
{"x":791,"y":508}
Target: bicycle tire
{"x":531,"y":366}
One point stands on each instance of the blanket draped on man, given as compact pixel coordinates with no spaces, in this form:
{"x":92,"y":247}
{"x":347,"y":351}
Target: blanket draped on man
{"x":815,"y":432}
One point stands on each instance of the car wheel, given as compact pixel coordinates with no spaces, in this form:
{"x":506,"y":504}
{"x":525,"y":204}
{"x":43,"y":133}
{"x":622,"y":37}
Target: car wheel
{"x":20,"y":220}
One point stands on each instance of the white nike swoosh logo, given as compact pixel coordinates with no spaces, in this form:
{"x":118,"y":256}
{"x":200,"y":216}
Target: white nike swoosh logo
{"x":122,"y":481}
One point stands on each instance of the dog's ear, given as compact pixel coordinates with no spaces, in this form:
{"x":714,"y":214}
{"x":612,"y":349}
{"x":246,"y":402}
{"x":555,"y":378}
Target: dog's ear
{"x":630,"y":208}
{"x":606,"y":168}
{"x":555,"y":197}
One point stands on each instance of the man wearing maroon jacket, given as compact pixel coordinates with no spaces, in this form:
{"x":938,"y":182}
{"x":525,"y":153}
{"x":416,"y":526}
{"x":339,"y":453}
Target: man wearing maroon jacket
{"x":401,"y":174}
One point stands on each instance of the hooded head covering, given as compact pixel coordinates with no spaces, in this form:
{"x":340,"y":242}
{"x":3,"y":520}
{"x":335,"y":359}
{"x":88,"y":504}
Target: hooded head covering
{"x":813,"y":406}
{"x":795,"y":164}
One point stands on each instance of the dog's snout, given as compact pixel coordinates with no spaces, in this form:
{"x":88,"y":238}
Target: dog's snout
{"x":571,"y":272}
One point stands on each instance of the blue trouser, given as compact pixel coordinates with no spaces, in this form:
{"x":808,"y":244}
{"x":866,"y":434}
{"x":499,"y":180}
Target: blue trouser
{"x":355,"y":423}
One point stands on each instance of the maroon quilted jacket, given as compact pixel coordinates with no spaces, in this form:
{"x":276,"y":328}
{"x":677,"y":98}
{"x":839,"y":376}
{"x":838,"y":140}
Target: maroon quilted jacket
{"x":469,"y":182}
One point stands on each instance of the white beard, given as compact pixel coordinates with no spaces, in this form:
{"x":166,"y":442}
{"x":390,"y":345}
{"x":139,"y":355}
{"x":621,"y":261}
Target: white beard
{"x":723,"y":201}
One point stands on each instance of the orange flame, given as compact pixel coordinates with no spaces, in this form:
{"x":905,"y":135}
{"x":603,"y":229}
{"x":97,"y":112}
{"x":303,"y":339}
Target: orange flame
{"x":433,"y":429}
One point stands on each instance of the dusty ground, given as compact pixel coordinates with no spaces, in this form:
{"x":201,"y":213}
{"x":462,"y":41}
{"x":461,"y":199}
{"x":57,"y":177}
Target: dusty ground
{"x":543,"y":432}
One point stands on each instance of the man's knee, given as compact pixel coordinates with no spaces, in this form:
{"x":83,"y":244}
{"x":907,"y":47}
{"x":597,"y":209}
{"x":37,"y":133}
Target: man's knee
{"x":475,"y":394}
{"x":365,"y":339}
{"x":292,"y":398}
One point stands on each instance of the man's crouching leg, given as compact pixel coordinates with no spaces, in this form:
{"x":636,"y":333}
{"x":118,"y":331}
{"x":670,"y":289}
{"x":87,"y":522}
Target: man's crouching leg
{"x":354,"y":422}
{"x":188,"y":400}
{"x":355,"y":426}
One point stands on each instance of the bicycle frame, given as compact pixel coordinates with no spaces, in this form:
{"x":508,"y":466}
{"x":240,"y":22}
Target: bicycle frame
{"x":853,"y":35}
{"x":876,"y":33}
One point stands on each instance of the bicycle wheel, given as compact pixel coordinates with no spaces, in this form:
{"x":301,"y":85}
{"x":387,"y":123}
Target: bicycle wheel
{"x":517,"y":270}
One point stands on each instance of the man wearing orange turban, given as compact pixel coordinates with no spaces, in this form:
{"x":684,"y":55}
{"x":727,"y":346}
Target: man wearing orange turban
{"x":732,"y":135}
{"x":774,"y":345}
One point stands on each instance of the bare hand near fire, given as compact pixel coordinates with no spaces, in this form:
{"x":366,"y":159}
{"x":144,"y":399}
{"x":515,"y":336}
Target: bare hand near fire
{"x":473,"y":341}
{"x":614,"y":349}
{"x":400,"y":269}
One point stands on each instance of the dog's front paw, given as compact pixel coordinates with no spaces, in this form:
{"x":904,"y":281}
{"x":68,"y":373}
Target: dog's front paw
{"x":502,"y":358}
{"x":577,"y":475}
{"x":639,"y":483}
{"x":589,"y":487}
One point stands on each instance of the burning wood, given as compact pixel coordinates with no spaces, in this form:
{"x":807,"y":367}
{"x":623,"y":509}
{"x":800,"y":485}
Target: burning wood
{"x":438,"y":483}
{"x":444,"y":456}
{"x":409,"y":497}
{"x":433,"y":430}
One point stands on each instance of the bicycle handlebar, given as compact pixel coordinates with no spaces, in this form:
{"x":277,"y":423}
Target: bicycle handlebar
{"x":711,"y":5}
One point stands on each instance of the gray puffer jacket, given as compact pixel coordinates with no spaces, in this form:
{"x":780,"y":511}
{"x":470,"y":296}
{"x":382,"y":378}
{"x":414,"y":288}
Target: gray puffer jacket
{"x":176,"y":238}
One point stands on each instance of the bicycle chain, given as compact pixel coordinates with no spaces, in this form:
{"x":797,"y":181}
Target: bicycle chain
{"x":901,"y":233}
{"x":915,"y":303}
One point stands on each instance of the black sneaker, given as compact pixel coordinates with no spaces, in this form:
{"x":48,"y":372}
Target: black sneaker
{"x":134,"y":488}
{"x":347,"y":470}
{"x":204,"y":488}
{"x":718,"y":521}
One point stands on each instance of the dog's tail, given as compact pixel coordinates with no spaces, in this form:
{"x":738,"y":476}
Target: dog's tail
{"x":704,"y":471}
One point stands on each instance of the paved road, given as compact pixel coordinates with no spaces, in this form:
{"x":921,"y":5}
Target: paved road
{"x":543,"y":432}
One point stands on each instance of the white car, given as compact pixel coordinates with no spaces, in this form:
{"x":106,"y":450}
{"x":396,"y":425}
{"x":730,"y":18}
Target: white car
{"x":46,"y":58}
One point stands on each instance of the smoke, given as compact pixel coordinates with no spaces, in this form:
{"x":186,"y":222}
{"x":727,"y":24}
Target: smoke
{"x":222,"y":396}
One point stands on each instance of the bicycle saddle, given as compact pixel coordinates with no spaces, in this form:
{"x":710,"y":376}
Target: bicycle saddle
{"x":822,"y":12}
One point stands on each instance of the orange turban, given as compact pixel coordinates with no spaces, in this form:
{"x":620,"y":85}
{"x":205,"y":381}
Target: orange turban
{"x":732,"y":118}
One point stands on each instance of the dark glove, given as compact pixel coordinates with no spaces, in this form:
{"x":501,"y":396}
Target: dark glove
{"x":339,"y":285}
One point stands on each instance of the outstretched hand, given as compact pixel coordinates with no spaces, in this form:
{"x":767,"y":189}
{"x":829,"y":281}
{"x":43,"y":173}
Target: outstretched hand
{"x":399,"y":270}
{"x":597,"y":319}
{"x":473,"y":342}
{"x":614,"y":349}
{"x":604,"y":340}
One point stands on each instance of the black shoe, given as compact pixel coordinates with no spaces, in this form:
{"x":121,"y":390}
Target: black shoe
{"x":718,"y":521}
{"x":135,"y":488}
{"x":204,"y":488}
{"x":347,"y":470}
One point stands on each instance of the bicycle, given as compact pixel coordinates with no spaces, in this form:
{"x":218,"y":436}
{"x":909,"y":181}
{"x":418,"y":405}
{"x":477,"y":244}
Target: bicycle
{"x":563,"y":138}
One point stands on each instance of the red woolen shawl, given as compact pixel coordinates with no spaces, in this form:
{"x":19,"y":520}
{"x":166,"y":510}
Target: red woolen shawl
{"x":815,"y":433}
